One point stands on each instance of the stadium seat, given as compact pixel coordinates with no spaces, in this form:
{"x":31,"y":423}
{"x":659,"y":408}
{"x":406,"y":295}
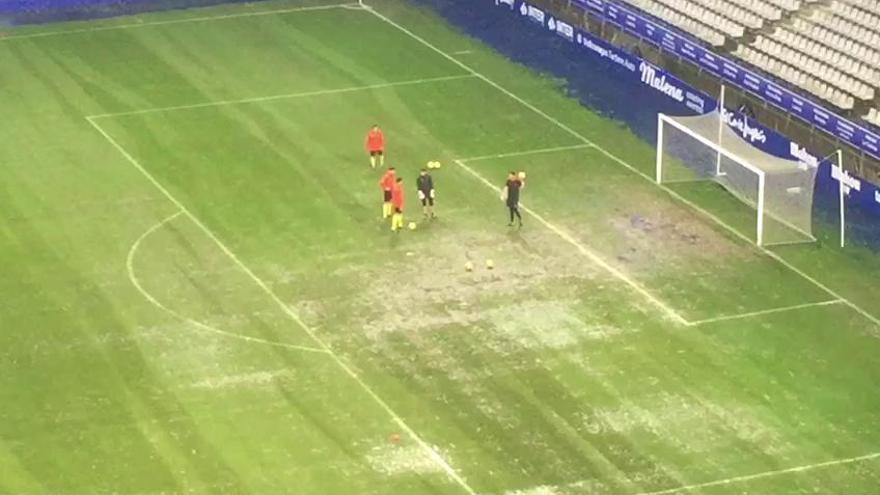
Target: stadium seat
{"x":830,"y":50}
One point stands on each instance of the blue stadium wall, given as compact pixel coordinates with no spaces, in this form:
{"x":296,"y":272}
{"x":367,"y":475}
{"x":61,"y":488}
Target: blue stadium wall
{"x":609,"y":89}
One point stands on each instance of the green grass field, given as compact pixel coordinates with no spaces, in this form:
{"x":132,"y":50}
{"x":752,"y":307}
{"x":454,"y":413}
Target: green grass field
{"x":199,"y":296}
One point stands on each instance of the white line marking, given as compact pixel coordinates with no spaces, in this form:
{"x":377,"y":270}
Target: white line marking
{"x":635,"y":170}
{"x":138,"y":24}
{"x":527,"y":152}
{"x":432,"y":452}
{"x":766,"y":474}
{"x":132,"y":276}
{"x":304,"y":94}
{"x":764,"y":312}
{"x":585,"y":251}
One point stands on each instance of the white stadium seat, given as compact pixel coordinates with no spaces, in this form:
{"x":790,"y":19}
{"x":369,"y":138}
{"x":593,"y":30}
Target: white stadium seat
{"x":830,"y":50}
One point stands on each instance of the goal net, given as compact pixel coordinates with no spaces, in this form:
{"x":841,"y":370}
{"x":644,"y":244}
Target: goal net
{"x":778,"y":192}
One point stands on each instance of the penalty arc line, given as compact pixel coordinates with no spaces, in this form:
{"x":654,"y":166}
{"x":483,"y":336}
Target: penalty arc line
{"x":181,"y":21}
{"x":431,"y":451}
{"x":584,"y":250}
{"x":132,"y":276}
{"x":625,"y":164}
{"x":763,"y":312}
{"x":766,"y":474}
{"x":304,"y":94}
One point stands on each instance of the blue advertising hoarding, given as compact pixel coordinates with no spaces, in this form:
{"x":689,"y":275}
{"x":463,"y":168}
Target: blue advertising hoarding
{"x":636,"y":23}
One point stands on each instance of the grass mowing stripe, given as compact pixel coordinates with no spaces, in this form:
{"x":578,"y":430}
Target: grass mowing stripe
{"x":180,"y":21}
{"x":764,"y":312}
{"x":627,"y":165}
{"x":132,"y":276}
{"x":432,"y":452}
{"x":668,"y":311}
{"x":305,"y":94}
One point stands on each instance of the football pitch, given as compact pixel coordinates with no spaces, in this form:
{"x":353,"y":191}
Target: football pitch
{"x":199,"y":295}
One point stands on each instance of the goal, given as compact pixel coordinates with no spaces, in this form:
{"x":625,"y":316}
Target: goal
{"x":777,"y":193}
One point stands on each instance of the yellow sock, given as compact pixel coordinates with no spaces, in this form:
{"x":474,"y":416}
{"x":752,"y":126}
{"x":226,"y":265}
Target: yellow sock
{"x":386,"y":210}
{"x":373,"y":161}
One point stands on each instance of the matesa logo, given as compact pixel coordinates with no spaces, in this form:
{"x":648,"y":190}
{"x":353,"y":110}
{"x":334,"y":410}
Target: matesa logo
{"x":650,"y":77}
{"x":803,"y":155}
{"x":848,"y":181}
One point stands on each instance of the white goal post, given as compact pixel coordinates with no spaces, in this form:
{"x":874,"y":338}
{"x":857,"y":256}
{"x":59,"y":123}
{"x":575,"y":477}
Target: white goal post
{"x":779,"y":191}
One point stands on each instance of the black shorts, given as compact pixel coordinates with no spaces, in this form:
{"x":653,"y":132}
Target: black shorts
{"x":427,"y":200}
{"x":398,"y":210}
{"x":387,"y":196}
{"x":513,"y":205}
{"x":377,"y":153}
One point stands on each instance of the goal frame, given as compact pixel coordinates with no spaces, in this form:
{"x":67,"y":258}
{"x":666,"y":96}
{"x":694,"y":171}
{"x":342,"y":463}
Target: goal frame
{"x":663,"y":119}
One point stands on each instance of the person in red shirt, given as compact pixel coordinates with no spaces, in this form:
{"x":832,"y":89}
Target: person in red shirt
{"x":376,"y":146}
{"x":397,"y":202}
{"x":387,"y":184}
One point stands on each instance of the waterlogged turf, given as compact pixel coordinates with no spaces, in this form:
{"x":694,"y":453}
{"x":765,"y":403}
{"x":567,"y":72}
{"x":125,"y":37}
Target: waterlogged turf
{"x":199,"y":294}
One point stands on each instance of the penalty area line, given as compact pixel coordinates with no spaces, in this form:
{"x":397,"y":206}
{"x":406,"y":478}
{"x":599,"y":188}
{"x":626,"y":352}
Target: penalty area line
{"x":783,"y":309}
{"x":432,"y":452}
{"x":668,"y":311}
{"x":527,"y":152}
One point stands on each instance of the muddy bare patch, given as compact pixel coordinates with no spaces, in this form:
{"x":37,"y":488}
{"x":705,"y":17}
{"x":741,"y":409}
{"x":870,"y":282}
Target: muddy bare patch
{"x":692,"y":425}
{"x":658,"y":234}
{"x":396,"y":459}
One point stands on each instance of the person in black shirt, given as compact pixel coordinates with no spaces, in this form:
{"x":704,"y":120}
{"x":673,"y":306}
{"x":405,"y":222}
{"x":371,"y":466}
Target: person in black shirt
{"x":511,"y":196}
{"x":425,"y":186}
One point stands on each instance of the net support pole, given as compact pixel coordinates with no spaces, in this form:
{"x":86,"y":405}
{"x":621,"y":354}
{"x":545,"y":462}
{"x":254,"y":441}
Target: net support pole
{"x":842,"y":190}
{"x":720,"y":129}
{"x":760,"y":227}
{"x":659,"y":170}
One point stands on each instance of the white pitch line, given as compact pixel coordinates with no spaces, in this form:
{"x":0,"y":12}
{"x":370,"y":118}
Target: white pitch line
{"x":766,"y":474}
{"x":431,"y":451}
{"x":304,"y":94}
{"x":585,"y":251}
{"x":527,"y":152}
{"x":764,"y":312}
{"x":625,"y":164}
{"x":179,"y":21}
{"x":132,"y":276}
